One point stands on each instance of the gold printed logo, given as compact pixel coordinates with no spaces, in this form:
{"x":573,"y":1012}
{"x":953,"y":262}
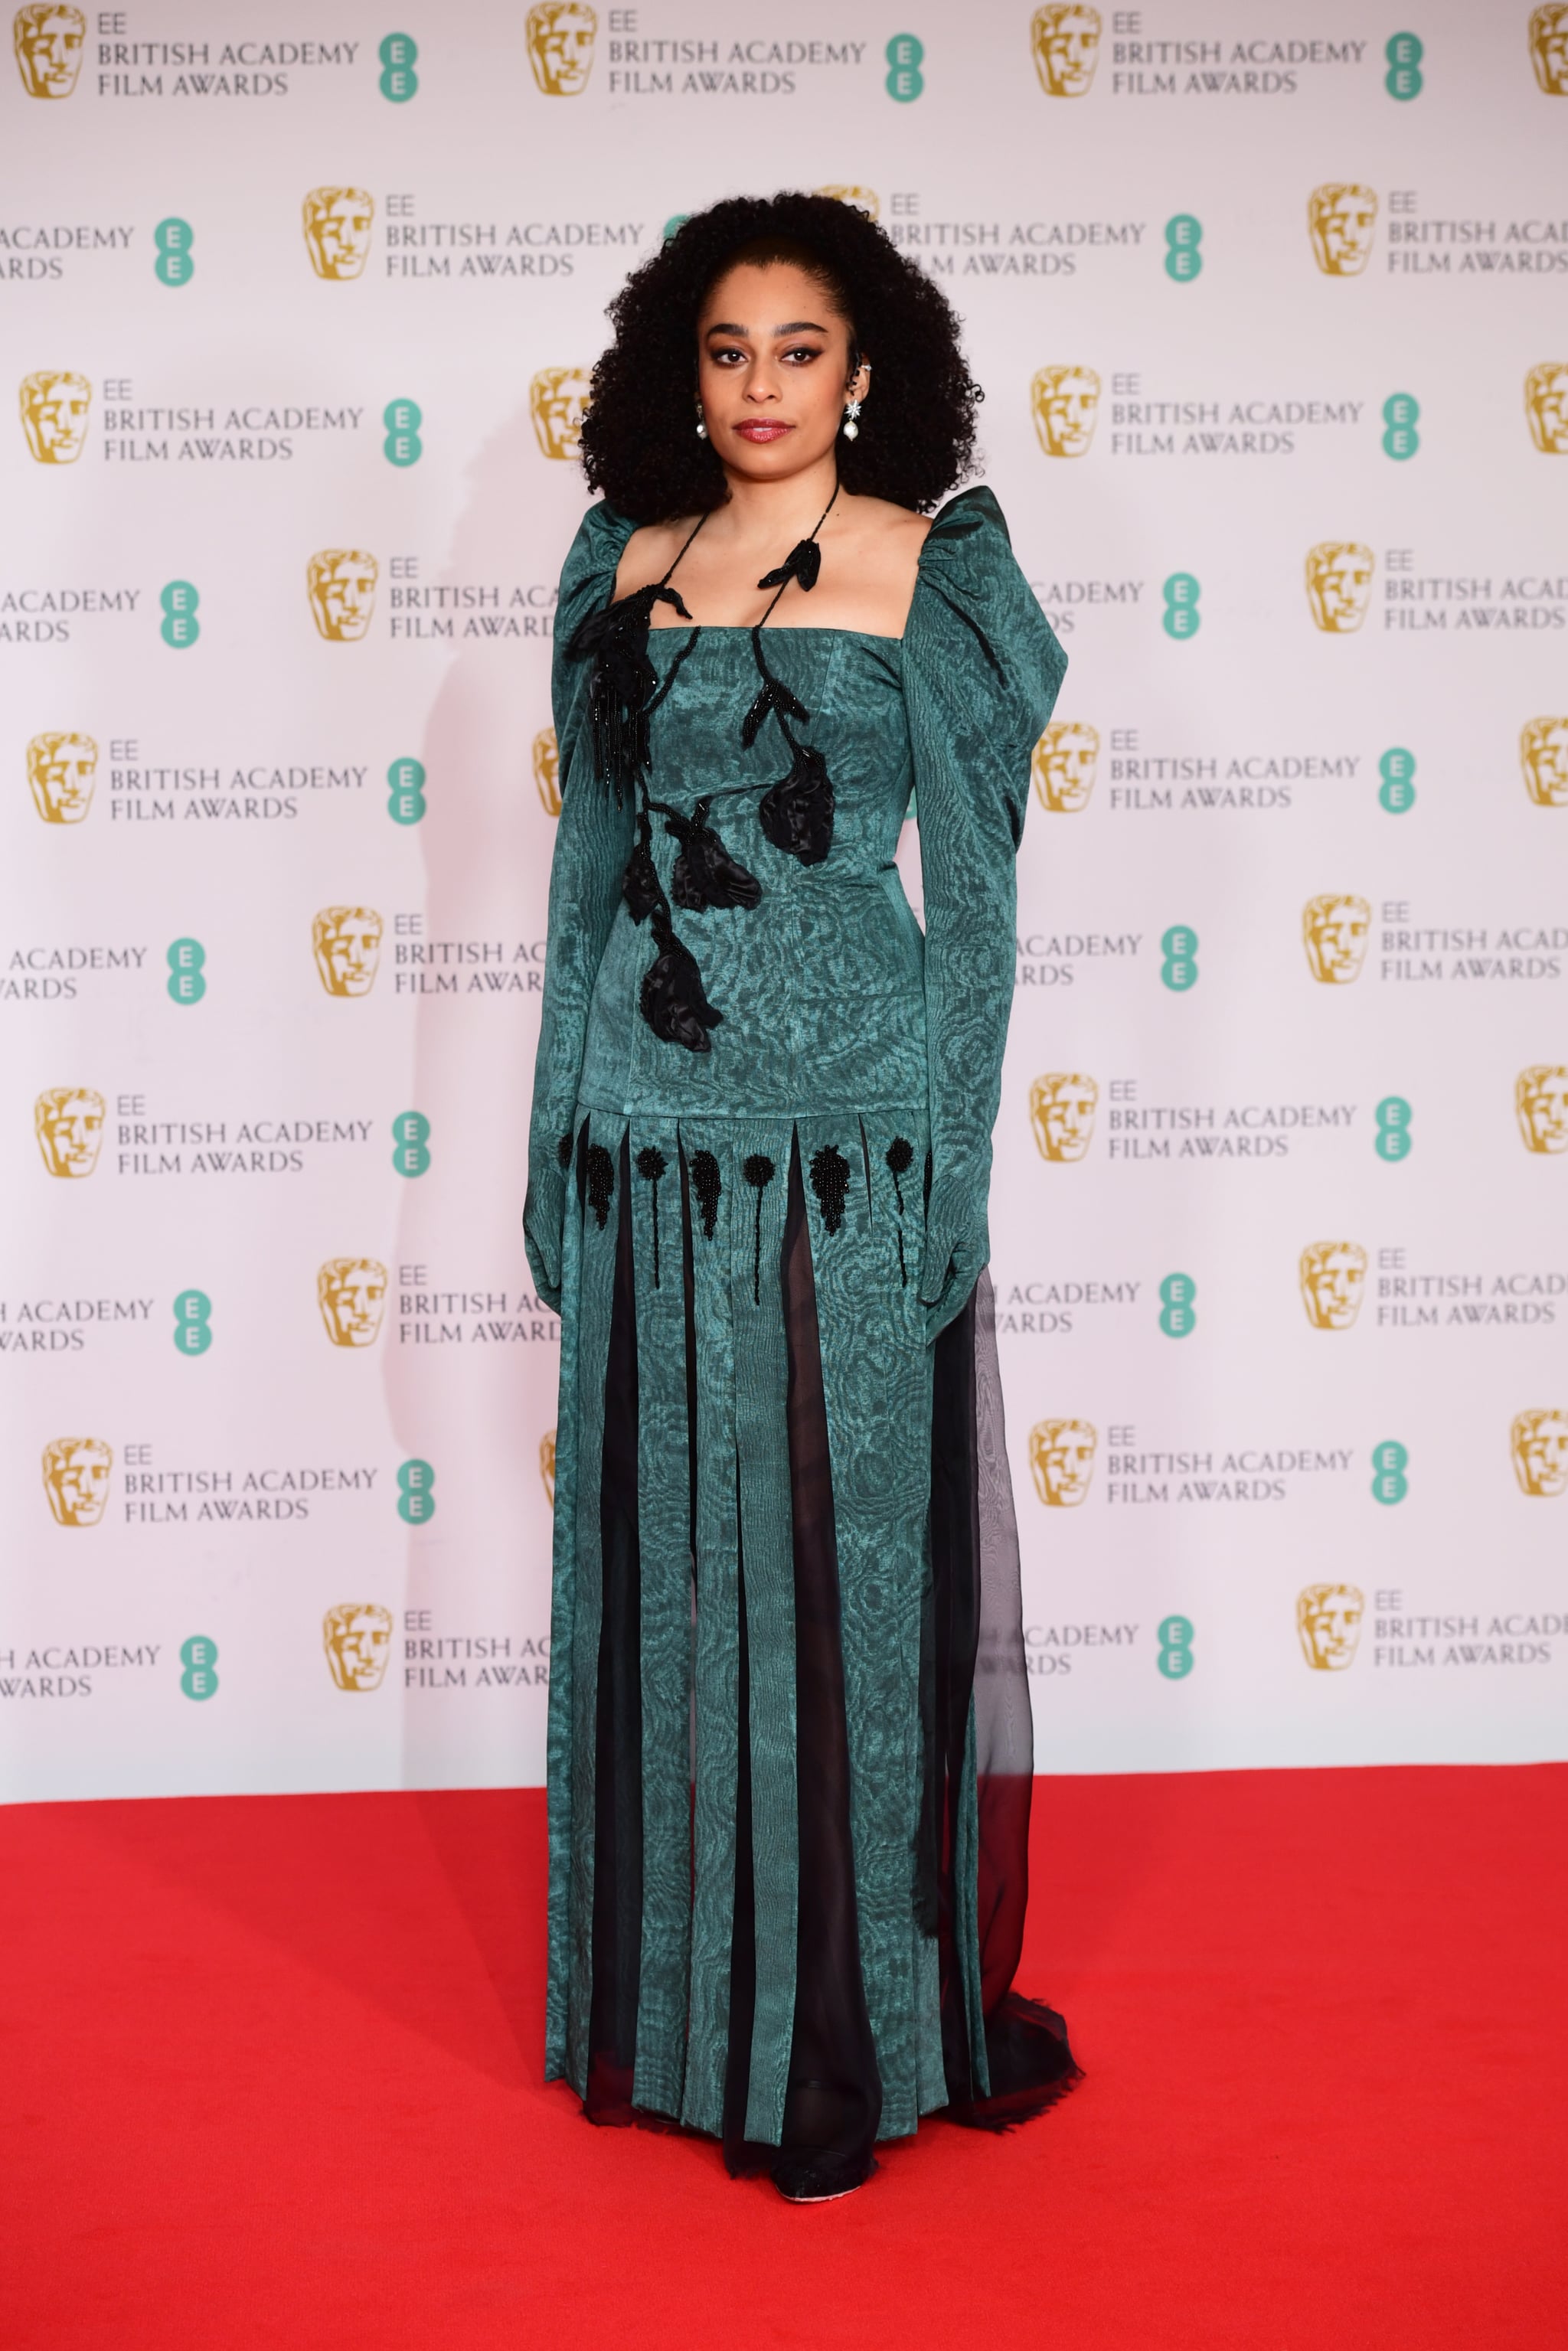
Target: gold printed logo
{"x":561,"y":34}
{"x":1549,"y":48}
{"x":1328,"y":1619}
{"x":1341,"y":216}
{"x":1061,"y":1111}
{"x":1066,"y":404}
{"x":357,"y":1637}
{"x":1065,"y":39}
{"x":547,"y":769}
{"x":1539,"y":1443}
{"x":62,"y":771}
{"x":347,"y":941}
{"x":338,"y":222}
{"x":1066,"y":760}
{"x":1333,"y":1278}
{"x":55,"y":403}
{"x":1335,"y":928}
{"x":75,"y":1478}
{"x":1339,"y":584}
{"x":1546,"y":405}
{"x":865,"y":200}
{"x":1543,"y":755}
{"x":68,"y":1122}
{"x":1540,"y":1101}
{"x":49,"y":43}
{"x":352,"y":1292}
{"x":1061,"y":1456}
{"x":547,"y":1465}
{"x":341,"y":584}
{"x":557,"y":402}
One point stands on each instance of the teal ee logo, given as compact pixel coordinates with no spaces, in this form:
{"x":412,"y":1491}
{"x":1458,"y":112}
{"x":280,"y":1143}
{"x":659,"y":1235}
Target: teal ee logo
{"x":193,"y":1314}
{"x":415,"y":1493}
{"x":1184,"y":235}
{"x":410,"y":1133}
{"x":1178,"y":1315}
{"x":403,"y":445}
{"x":1179,"y":948}
{"x":173,"y":240}
{"x":199,"y":1658}
{"x":186,"y":982}
{"x":1400,"y":413}
{"x":904,"y":57}
{"x":1392,"y":1140}
{"x":399,"y":79}
{"x":1389,"y":1461}
{"x":1404,"y":52}
{"x":1398,"y":791}
{"x":675,"y":223}
{"x":405,"y":779}
{"x":1175,"y":1659}
{"x":181,"y":627}
{"x":1182,"y":618}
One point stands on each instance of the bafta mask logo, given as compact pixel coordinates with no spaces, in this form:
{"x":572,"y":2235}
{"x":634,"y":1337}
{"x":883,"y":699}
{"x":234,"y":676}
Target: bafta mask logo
{"x":547,"y":1465}
{"x":560,"y":46}
{"x":341,"y":581}
{"x":1066,"y":759}
{"x":75,"y":1478}
{"x":1549,"y":48}
{"x":1061,"y":1456}
{"x":352,"y":1292}
{"x":547,"y":769}
{"x":49,"y":43}
{"x":1543,"y":755}
{"x":1061,"y":1112}
{"x":1328,"y":1619}
{"x":1546,"y":405}
{"x":357,"y":1637}
{"x":68,"y":1122}
{"x":1334,"y":930}
{"x":1539,"y":1441}
{"x":337,"y":224}
{"x":1065,"y":39}
{"x":1334,"y":1277}
{"x":1339,"y":585}
{"x":557,"y":402}
{"x":348,"y":944}
{"x":55,"y":403}
{"x":865,"y":200}
{"x":1066,"y":403}
{"x":1541,"y":1100}
{"x":62,"y":771}
{"x":1342,"y":217}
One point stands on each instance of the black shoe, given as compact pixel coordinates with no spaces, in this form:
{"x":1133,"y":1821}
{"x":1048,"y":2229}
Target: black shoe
{"x":819,"y":2175}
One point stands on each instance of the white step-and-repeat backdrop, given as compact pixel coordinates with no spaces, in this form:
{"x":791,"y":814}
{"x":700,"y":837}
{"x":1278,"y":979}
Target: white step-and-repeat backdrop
{"x":1269,"y":303}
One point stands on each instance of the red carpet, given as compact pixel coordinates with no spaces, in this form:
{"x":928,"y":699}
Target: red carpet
{"x":272,"y":2078}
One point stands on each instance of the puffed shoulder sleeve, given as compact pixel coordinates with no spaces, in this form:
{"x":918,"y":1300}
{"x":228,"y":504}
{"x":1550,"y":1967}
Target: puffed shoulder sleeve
{"x":982,"y":667}
{"x":593,"y":839}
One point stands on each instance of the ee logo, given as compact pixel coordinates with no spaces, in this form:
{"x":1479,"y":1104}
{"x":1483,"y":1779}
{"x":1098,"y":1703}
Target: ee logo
{"x":1175,"y":1658}
{"x":410,"y":1133}
{"x":406,"y":779}
{"x":1182,"y":617}
{"x":186,"y":983}
{"x":1401,"y":412}
{"x":403,"y":445}
{"x":1390,"y":1460}
{"x":399,"y":79}
{"x":181,"y":627}
{"x":173,"y":240}
{"x":415,"y":1493}
{"x":1184,"y":235}
{"x":1177,"y":1313}
{"x":1179,"y":948}
{"x":1404,"y":52}
{"x":199,"y":1657}
{"x":1393,"y":1139}
{"x":904,"y":57}
{"x":1397,"y":792}
{"x":193,"y":1314}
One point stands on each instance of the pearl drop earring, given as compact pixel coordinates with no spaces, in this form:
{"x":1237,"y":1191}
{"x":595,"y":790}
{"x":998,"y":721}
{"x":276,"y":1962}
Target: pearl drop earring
{"x":702,"y":428}
{"x":851,"y":429}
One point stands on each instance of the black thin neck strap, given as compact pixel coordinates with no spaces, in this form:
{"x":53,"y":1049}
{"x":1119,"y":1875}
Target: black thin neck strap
{"x":812,"y":534}
{"x":686,"y":543}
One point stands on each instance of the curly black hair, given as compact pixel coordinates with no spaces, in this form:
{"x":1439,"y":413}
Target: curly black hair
{"x":916,"y":440}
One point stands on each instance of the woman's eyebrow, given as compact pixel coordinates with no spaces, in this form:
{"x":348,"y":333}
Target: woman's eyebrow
{"x":800,"y":327}
{"x":725,"y":327}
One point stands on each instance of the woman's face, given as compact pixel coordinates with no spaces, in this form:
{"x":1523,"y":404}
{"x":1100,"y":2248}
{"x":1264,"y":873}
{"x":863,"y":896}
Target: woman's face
{"x":773,"y":370}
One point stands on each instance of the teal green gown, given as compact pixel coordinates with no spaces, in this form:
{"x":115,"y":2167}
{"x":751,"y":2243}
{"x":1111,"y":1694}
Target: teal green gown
{"x":789,"y":1753}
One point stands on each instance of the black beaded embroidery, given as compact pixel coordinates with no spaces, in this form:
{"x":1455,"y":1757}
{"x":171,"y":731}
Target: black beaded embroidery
{"x":757,"y":1170}
{"x":830,"y":1182}
{"x":900,"y":1159}
{"x":601,"y":1175}
{"x":707,"y":1183}
{"x":651,"y":1165}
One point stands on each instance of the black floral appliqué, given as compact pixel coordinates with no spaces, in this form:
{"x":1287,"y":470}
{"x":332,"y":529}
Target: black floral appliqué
{"x":830,"y":1182}
{"x":797,"y":814}
{"x":640,"y":883}
{"x":672,"y":1000}
{"x":600,"y":1177}
{"x":651,"y":1166}
{"x":623,"y":683}
{"x":758,"y":1172}
{"x":707,"y":1183}
{"x":706,"y":874}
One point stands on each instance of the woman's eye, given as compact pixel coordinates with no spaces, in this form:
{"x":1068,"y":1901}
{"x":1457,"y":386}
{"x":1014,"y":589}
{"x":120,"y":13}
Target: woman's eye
{"x":803,"y":353}
{"x":725,"y":358}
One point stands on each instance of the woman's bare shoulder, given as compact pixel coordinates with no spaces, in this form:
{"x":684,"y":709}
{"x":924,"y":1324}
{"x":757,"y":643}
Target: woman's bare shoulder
{"x":650,"y":551}
{"x":897,"y":529}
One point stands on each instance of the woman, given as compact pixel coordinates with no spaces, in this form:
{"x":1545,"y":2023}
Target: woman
{"x":789,"y":1744}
